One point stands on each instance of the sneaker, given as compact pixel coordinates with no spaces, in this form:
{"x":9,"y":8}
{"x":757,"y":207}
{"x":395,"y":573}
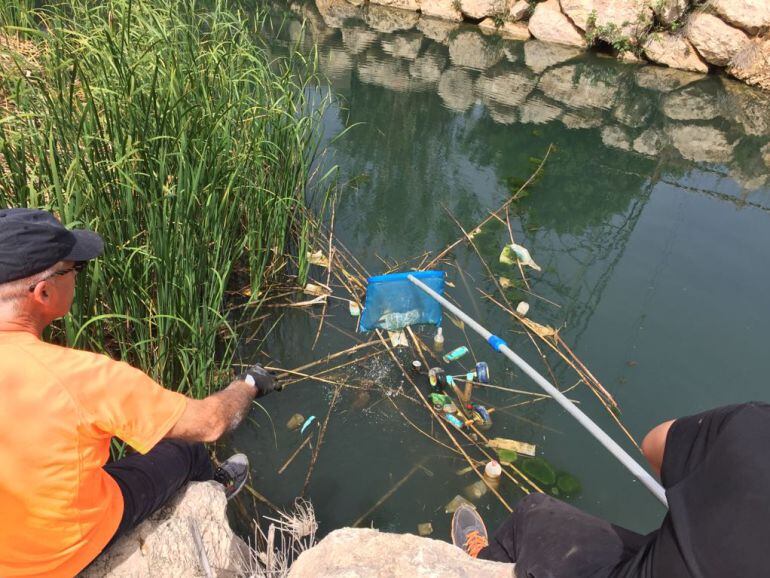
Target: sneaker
{"x":468,"y":531}
{"x":232,"y":474}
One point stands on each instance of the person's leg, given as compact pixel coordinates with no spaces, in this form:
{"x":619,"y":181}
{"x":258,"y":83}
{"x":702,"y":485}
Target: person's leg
{"x":550,"y":539}
{"x":149,"y":481}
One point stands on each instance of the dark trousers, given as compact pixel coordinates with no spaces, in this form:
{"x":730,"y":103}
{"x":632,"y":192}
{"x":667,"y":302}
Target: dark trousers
{"x":149,"y":481}
{"x":547,"y":538}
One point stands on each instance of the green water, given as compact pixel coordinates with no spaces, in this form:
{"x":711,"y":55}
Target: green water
{"x":651,"y":223}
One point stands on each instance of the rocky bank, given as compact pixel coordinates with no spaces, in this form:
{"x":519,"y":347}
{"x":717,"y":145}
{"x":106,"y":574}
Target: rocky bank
{"x":692,"y":35}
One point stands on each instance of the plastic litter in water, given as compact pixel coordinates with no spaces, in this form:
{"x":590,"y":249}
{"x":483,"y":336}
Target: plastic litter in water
{"x":417,"y":366}
{"x":438,"y":339}
{"x":455,"y":503}
{"x":513,"y":253}
{"x":295,"y":421}
{"x":455,"y":354}
{"x":425,"y":529}
{"x":482,"y":372}
{"x":396,"y":321}
{"x":522,"y":308}
{"x":454,"y":421}
{"x":305,"y":425}
{"x":354,"y":308}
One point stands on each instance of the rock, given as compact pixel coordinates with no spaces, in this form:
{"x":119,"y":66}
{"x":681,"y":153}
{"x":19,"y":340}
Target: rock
{"x":445,"y":9}
{"x":402,"y":4}
{"x":674,"y":50}
{"x":389,"y":73}
{"x":547,"y":23}
{"x":701,"y":143}
{"x":163,"y":544}
{"x":542,"y":55}
{"x":406,"y":45}
{"x":353,"y":552}
{"x":573,"y":87}
{"x":428,"y":66}
{"x":477,"y":9}
{"x":519,"y":11}
{"x":664,"y":79}
{"x":384,"y":19}
{"x":751,"y":64}
{"x":650,"y":142}
{"x":716,"y":41}
{"x":508,"y":88}
{"x":629,"y":56}
{"x":357,"y":38}
{"x":455,"y":87}
{"x":335,"y":12}
{"x":610,"y":20}
{"x":692,"y":103}
{"x":537,"y":110}
{"x":436,"y":29}
{"x":509,"y":30}
{"x":747,"y":106}
{"x":616,"y":137}
{"x":472,"y":50}
{"x":749,"y":15}
{"x":670,"y":11}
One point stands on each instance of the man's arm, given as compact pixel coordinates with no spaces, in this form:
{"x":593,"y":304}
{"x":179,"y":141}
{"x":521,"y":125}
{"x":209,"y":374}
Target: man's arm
{"x":654,"y":445}
{"x":205,"y":420}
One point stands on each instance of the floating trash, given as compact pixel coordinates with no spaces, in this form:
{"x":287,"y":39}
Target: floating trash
{"x":398,"y":339}
{"x":522,"y":308}
{"x":454,"y":421}
{"x":295,"y":421}
{"x":449,"y":408}
{"x":438,"y":340}
{"x":450,"y":380}
{"x":437,"y":379}
{"x":354,"y":308}
{"x":305,"y":425}
{"x":455,"y":503}
{"x":482,"y":372}
{"x":396,"y":321}
{"x":455,"y":354}
{"x":425,"y":529}
{"x":513,"y":445}
{"x":513,"y":253}
{"x":439,"y":400}
{"x":481,"y":417}
{"x":505,"y":283}
{"x":318,"y":258}
{"x":506,"y":457}
{"x":417,"y":366}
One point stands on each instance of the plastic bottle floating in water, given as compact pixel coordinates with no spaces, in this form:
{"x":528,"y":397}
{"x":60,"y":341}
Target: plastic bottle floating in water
{"x":453,"y":420}
{"x":455,"y":354}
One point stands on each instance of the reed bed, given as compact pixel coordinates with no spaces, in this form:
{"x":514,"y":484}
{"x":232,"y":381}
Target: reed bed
{"x":171,"y":130}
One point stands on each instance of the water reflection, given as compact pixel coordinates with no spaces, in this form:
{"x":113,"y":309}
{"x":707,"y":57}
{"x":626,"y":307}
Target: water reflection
{"x":646,"y":110}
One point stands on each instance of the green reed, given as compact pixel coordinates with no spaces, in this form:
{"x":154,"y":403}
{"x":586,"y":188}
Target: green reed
{"x":170,"y":129}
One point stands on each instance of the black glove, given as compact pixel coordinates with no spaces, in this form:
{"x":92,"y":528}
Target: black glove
{"x":261,"y":379}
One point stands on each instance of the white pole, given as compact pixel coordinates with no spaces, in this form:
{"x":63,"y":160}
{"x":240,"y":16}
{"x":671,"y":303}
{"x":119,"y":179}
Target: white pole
{"x":632,"y":465}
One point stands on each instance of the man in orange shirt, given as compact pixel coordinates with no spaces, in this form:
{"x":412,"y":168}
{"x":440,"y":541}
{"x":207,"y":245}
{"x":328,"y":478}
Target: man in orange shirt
{"x":61,"y":504}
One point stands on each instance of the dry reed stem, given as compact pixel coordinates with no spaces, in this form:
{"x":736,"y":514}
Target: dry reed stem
{"x":294,"y":454}
{"x":389,"y":493}
{"x":317,"y":448}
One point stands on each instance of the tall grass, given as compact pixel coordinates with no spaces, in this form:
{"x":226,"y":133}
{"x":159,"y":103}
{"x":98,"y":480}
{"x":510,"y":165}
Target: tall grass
{"x":168,"y":128}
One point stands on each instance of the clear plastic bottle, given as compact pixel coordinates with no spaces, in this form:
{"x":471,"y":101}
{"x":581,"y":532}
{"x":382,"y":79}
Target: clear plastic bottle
{"x":438,"y":340}
{"x":479,"y":488}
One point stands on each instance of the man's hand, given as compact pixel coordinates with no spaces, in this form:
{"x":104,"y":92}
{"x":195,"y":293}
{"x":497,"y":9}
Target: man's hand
{"x":261,"y":379}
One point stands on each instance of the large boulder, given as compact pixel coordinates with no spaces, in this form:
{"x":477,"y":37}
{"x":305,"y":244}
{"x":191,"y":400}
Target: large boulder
{"x":670,"y":11}
{"x":473,"y":50}
{"x":674,"y":50}
{"x":547,"y":23}
{"x":540,"y":56}
{"x":484,"y":8}
{"x":691,"y":103}
{"x":335,"y":12}
{"x":352,"y":552}
{"x":750,"y":15}
{"x":610,"y":20}
{"x":403,"y":4}
{"x":164,"y":544}
{"x":746,"y":106}
{"x":716,"y":41}
{"x":446,"y":9}
{"x":573,"y":86}
{"x":509,"y":30}
{"x":519,"y":11}
{"x":751,"y":64}
{"x":436,"y":29}
{"x":385,"y":19}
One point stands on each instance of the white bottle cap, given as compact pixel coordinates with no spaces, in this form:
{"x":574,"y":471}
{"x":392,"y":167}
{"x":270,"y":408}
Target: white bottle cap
{"x":439,"y":333}
{"x":493,"y":469}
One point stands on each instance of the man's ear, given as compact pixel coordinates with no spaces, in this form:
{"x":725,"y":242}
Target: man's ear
{"x":40,"y":293}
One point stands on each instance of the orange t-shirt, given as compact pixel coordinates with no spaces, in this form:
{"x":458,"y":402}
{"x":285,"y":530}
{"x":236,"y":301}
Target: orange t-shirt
{"x":59,"y":408}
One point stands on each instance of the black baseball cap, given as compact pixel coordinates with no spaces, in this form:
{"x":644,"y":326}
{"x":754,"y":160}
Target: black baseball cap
{"x":32,"y":240}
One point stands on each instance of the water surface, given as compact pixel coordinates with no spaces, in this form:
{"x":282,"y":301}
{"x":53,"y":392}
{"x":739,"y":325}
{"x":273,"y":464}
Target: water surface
{"x":651,"y":223}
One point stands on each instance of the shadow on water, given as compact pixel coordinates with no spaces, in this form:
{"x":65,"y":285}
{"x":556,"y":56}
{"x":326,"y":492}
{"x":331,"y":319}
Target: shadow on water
{"x":650,"y":222}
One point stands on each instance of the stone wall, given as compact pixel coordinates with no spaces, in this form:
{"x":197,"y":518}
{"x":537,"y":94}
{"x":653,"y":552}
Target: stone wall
{"x":691,"y":35}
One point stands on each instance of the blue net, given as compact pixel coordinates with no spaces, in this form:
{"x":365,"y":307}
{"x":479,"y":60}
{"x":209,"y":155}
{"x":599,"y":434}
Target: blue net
{"x":393,"y":302}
